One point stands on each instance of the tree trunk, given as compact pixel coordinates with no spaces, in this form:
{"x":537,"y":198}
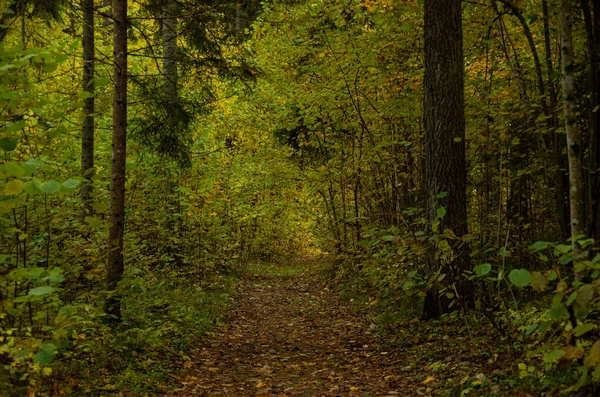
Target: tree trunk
{"x":169,"y":29}
{"x":115,"y":266}
{"x":87,"y":131}
{"x":592,"y":27}
{"x":445,"y":168}
{"x":560,"y":177}
{"x":571,"y":128}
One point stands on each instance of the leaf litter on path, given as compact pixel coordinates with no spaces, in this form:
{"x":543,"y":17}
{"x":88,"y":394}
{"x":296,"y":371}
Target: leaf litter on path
{"x":289,"y":335}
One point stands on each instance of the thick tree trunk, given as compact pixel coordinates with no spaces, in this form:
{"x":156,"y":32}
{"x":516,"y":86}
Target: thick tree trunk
{"x":89,"y":105}
{"x":592,"y":27}
{"x":571,"y":127}
{"x":445,"y":168}
{"x":115,"y":266}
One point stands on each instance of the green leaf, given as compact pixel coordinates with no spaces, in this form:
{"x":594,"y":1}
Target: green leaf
{"x":441,"y":212}
{"x":34,"y":273}
{"x":41,"y":291}
{"x":557,"y":311}
{"x":571,"y":298}
{"x":8,"y":144}
{"x":483,"y":269}
{"x":50,"y":187}
{"x":14,"y":169}
{"x":54,"y":278}
{"x":593,"y":356}
{"x":503,"y":252}
{"x":520,"y":277}
{"x":71,"y":183}
{"x":34,"y":162}
{"x":553,"y":356}
{"x":583,"y":328}
{"x":441,"y":195}
{"x":30,"y":188}
{"x":562,"y":249}
{"x":44,"y":357}
{"x":85,"y":95}
{"x":585,"y":294}
{"x":530,"y":329}
{"x":539,"y":246}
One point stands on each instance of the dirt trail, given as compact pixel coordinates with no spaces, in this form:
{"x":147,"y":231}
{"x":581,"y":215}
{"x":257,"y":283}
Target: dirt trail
{"x":291,"y":336}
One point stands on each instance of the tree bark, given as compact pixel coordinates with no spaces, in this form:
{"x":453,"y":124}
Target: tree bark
{"x":445,"y":165}
{"x":592,"y":26}
{"x":115,"y":264}
{"x":571,"y":128}
{"x":560,"y":177}
{"x":89,"y":106}
{"x":169,"y":29}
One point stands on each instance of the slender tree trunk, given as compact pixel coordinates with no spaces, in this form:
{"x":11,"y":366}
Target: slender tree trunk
{"x":560,"y":177}
{"x":108,"y":15}
{"x":115,"y":266}
{"x":571,"y":127}
{"x":169,"y":28}
{"x":445,"y":165}
{"x":89,"y":106}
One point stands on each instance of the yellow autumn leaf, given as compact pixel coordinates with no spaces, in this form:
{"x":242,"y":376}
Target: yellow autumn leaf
{"x":428,"y":380}
{"x":14,"y":186}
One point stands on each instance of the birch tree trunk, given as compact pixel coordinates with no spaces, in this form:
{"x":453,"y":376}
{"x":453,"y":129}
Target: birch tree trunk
{"x":571,"y":128}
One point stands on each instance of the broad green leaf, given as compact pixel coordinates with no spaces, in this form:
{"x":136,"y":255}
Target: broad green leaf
{"x":553,"y":356}
{"x":44,"y":357}
{"x":14,"y":169}
{"x":593,"y":356}
{"x":34,"y":273}
{"x":8,"y":144}
{"x":483,"y":269}
{"x":503,"y":252}
{"x":583,"y":328}
{"x":34,"y":162}
{"x":13,"y":187}
{"x":54,"y":278}
{"x":50,"y":187}
{"x":585,"y":294}
{"x":539,"y":246}
{"x":442,"y":195}
{"x":520,"y":277}
{"x":560,"y":249}
{"x":41,"y":291}
{"x":71,"y":183}
{"x":30,"y":188}
{"x":557,"y":311}
{"x":441,"y":212}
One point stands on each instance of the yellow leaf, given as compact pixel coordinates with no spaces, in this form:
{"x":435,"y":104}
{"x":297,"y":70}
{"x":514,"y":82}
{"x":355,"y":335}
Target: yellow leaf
{"x":14,"y":186}
{"x":428,"y":380}
{"x":260,"y":384}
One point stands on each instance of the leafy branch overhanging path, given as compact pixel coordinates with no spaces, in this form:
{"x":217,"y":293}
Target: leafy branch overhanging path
{"x":289,"y":335}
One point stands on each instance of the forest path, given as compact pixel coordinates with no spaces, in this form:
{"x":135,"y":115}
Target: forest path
{"x":289,"y":335}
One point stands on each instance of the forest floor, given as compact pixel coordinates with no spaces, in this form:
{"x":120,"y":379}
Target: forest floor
{"x":290,"y":335}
